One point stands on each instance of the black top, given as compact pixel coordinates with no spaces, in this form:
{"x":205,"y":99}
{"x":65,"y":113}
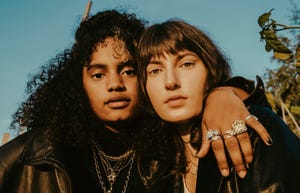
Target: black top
{"x":83,"y":173}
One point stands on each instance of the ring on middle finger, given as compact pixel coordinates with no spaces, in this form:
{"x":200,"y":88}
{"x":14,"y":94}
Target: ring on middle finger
{"x":239,"y":127}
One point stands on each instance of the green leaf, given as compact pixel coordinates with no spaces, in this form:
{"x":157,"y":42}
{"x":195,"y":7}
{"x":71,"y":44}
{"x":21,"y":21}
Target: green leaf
{"x":264,"y":18}
{"x":295,"y":110}
{"x":297,"y":65}
{"x":268,"y":47}
{"x":274,"y":42}
{"x":282,"y":56}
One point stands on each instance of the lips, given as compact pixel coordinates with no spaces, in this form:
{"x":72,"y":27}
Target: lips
{"x":176,"y":101}
{"x":118,"y":102}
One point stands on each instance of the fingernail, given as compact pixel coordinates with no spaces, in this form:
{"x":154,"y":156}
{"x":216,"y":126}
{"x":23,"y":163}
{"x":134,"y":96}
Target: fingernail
{"x":247,"y":165}
{"x":269,"y":141}
{"x":242,"y":173}
{"x":225,"y":172}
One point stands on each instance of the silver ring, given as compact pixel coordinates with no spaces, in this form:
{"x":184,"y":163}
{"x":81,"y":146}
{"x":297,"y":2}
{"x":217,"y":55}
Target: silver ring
{"x":239,"y":127}
{"x":229,"y":133}
{"x":250,"y":116}
{"x":213,"y":134}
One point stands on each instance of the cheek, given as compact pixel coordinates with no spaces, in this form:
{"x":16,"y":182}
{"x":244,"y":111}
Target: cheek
{"x":89,"y":90}
{"x":198,"y":103}
{"x":94,"y":99}
{"x":197,"y":90}
{"x":93,"y":93}
{"x":152,"y":92}
{"x":133,"y":85}
{"x":134,"y":91}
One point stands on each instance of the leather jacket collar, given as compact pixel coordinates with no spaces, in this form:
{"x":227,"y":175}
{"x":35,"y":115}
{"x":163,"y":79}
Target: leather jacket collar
{"x":39,"y":150}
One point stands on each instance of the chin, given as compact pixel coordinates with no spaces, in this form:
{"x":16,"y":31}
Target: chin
{"x":178,"y":118}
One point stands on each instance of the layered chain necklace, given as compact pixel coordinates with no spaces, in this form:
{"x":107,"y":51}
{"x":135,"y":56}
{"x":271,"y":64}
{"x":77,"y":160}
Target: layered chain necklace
{"x":192,"y":159}
{"x":112,"y":166}
{"x":190,"y":178}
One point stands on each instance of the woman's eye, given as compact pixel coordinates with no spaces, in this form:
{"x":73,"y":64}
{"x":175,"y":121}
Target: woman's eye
{"x":128,"y":71}
{"x":98,"y":75}
{"x":187,"y":64}
{"x":154,"y":71}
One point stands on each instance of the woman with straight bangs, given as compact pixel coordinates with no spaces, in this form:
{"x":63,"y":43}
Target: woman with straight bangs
{"x":180,"y":65}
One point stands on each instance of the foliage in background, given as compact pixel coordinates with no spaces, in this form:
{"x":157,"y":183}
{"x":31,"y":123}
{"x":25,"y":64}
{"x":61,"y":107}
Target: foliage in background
{"x":279,"y":44}
{"x":283,"y":83}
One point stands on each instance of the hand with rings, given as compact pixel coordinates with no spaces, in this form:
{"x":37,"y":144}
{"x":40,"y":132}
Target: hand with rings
{"x":237,"y":127}
{"x":224,"y":125}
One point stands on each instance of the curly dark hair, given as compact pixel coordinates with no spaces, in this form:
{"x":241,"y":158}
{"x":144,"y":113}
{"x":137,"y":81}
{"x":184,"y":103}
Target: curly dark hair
{"x":57,"y":101}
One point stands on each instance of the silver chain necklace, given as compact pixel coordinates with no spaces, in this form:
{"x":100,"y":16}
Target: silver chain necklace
{"x":112,"y":172}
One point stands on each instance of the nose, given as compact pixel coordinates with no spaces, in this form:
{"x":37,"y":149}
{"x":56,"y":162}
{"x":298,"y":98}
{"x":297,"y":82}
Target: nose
{"x":115,"y":83}
{"x":171,"y":82}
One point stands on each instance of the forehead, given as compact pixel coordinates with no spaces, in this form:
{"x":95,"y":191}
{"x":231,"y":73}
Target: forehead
{"x":111,"y":48}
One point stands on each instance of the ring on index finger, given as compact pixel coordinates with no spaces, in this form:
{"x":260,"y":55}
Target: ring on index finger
{"x":213,"y":134}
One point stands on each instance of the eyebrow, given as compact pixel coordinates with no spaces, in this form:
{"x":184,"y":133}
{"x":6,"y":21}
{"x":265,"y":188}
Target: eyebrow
{"x":178,"y":57}
{"x":154,"y":62}
{"x":91,"y":66}
{"x":104,"y":66}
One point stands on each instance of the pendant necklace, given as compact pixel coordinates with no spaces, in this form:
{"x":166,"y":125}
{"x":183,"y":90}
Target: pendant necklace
{"x":112,"y":166}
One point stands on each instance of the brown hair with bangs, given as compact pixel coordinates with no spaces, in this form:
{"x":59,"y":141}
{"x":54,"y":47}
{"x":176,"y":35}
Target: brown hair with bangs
{"x":173,"y":36}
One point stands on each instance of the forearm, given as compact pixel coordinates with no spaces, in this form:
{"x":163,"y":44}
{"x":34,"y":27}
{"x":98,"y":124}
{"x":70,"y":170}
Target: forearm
{"x":242,"y":94}
{"x":247,"y":90}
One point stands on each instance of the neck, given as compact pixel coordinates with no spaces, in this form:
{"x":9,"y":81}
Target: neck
{"x":112,"y":128}
{"x":184,"y":128}
{"x":113,"y":139}
{"x":121,"y":127}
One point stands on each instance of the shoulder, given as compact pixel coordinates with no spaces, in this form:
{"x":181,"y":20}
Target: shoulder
{"x":14,"y":148}
{"x":10,"y":153}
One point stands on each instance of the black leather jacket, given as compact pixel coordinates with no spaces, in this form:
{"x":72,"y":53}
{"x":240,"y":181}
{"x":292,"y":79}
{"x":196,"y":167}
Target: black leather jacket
{"x":32,"y":164}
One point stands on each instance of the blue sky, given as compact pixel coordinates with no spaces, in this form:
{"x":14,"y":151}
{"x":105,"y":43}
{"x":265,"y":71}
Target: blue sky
{"x":34,"y":31}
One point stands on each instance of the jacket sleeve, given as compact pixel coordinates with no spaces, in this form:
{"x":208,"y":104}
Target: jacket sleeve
{"x":276,"y":168}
